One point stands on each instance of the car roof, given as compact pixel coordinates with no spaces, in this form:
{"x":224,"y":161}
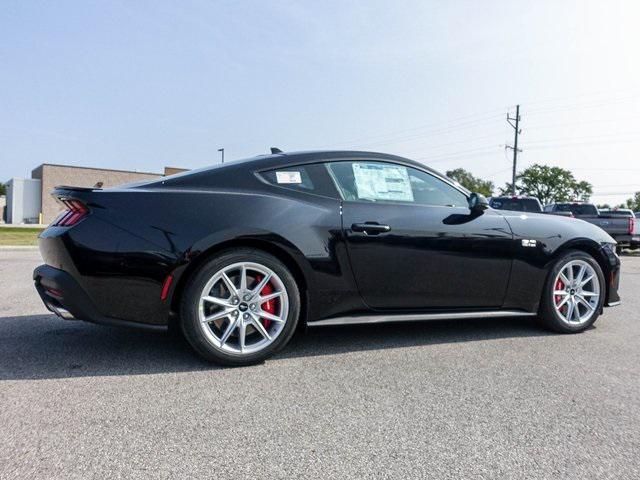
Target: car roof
{"x":315,"y":156}
{"x":289,"y":159}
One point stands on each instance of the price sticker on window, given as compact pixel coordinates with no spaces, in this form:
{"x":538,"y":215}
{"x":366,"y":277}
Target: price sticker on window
{"x":288,"y":177}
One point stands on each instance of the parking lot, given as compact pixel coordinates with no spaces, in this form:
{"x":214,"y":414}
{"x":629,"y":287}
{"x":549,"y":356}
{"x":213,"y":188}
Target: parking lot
{"x":455,"y":399}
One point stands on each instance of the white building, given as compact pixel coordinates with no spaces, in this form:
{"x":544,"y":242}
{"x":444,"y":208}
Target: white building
{"x":3,"y":203}
{"x":24,"y":199}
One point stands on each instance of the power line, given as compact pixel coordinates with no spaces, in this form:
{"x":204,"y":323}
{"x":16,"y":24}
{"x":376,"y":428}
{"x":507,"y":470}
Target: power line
{"x":600,"y":143}
{"x":439,"y":157}
{"x":464,"y":122}
{"x":583,"y":105}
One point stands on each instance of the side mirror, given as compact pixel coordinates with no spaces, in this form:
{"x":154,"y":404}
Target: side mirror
{"x":478,"y":202}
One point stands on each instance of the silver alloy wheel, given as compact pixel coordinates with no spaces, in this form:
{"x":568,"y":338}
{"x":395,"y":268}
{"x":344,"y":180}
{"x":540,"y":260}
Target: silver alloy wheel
{"x":576,"y":292}
{"x":243,"y":308}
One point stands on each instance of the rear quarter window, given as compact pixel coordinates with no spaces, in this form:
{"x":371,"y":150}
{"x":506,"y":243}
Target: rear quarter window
{"x":312,"y":178}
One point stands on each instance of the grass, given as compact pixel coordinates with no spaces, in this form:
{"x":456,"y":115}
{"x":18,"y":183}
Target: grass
{"x":19,"y":236}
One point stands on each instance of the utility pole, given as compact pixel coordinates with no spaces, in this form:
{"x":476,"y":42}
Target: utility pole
{"x":515,"y":145}
{"x":222,"y":150}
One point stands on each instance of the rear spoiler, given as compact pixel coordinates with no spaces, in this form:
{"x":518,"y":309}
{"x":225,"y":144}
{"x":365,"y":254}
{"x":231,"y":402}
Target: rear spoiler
{"x":76,"y":189}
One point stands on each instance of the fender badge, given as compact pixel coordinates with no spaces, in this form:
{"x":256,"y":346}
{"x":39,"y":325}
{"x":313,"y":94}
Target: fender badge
{"x":529,"y":243}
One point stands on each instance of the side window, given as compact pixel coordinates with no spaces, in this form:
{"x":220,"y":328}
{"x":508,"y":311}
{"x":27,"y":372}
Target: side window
{"x":548,"y":208}
{"x":391,"y":183}
{"x":312,"y":178}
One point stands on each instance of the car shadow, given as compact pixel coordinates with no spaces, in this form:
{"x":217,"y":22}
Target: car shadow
{"x":44,"y":347}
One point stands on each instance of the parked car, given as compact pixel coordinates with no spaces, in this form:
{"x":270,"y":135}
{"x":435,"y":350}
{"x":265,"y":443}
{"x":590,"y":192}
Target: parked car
{"x":620,"y":224}
{"x":633,"y":242}
{"x":516,"y":204}
{"x":240,"y":254}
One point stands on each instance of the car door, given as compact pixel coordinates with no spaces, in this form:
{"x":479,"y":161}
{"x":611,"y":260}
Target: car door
{"x":413,"y":243}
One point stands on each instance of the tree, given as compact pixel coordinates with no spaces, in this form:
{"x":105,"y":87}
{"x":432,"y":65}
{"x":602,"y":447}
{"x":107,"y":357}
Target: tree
{"x":3,"y":189}
{"x":471,"y":182}
{"x":550,"y":184}
{"x":634,"y":203}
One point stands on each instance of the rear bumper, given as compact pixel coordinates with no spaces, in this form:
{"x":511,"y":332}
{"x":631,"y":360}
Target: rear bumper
{"x":62,"y":295}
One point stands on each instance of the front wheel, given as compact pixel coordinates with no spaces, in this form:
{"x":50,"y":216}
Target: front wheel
{"x":240,"y":307}
{"x":573,"y":294}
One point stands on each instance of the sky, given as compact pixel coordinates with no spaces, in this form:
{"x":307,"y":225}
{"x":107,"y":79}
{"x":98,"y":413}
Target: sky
{"x":140,"y":85}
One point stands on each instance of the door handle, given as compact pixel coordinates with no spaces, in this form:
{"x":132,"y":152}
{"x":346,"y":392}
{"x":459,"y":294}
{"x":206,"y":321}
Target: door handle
{"x":370,"y":228}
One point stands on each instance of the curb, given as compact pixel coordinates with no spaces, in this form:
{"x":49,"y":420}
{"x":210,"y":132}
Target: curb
{"x":8,"y":248}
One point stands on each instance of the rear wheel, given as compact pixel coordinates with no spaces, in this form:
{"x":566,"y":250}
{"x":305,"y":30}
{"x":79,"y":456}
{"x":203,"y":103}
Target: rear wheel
{"x":574,"y":293}
{"x":240,"y":307}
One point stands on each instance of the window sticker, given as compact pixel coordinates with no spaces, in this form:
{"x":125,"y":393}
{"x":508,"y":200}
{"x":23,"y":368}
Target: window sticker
{"x":288,"y":177}
{"x":382,"y":182}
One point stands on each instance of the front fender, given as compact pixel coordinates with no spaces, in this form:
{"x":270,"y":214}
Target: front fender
{"x":538,"y":239}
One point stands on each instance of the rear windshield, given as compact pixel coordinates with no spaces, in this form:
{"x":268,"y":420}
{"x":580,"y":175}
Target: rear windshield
{"x":577,"y":209}
{"x":516,"y":204}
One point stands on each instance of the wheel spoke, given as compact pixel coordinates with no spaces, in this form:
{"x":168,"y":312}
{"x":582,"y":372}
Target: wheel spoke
{"x":561,"y":292}
{"x":580,"y":274}
{"x":564,"y":279}
{"x":271,"y":296}
{"x":261,"y":285}
{"x":570,"y":273}
{"x":588,"y":294}
{"x":563,"y":301}
{"x":570,"y":308}
{"x":218,"y":315}
{"x":269,"y":316}
{"x":258,"y":326}
{"x":223,"y":302}
{"x":243,"y":278}
{"x":584,"y":302}
{"x":584,"y":282}
{"x":227,"y":333}
{"x":227,"y":281}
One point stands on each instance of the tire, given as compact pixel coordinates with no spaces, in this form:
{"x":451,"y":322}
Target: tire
{"x":556,"y":319}
{"x":219,"y":340}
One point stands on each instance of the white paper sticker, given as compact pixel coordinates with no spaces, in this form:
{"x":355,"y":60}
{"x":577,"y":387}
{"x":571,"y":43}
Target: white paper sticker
{"x":288,"y":177}
{"x":382,"y":182}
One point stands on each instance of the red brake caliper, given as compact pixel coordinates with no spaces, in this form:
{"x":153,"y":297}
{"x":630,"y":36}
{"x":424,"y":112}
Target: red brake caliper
{"x":270,"y":305}
{"x":559,"y":286}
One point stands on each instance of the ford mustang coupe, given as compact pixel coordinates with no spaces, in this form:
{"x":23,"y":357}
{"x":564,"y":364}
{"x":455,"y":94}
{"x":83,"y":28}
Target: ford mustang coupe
{"x":237,"y":256}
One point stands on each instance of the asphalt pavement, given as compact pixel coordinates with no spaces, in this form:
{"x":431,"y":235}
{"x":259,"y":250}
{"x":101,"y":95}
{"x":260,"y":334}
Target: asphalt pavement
{"x":451,"y":399}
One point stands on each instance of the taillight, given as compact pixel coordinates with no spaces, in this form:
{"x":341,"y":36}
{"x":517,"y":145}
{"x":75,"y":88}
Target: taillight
{"x":76,"y":211}
{"x":632,"y":225}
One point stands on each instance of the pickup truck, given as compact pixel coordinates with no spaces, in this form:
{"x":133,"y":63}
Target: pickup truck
{"x":620,"y":223}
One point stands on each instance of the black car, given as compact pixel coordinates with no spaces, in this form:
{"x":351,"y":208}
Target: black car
{"x":241,"y":254}
{"x":516,"y":204}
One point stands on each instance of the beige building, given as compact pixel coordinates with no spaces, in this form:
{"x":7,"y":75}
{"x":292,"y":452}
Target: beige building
{"x":51,"y":175}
